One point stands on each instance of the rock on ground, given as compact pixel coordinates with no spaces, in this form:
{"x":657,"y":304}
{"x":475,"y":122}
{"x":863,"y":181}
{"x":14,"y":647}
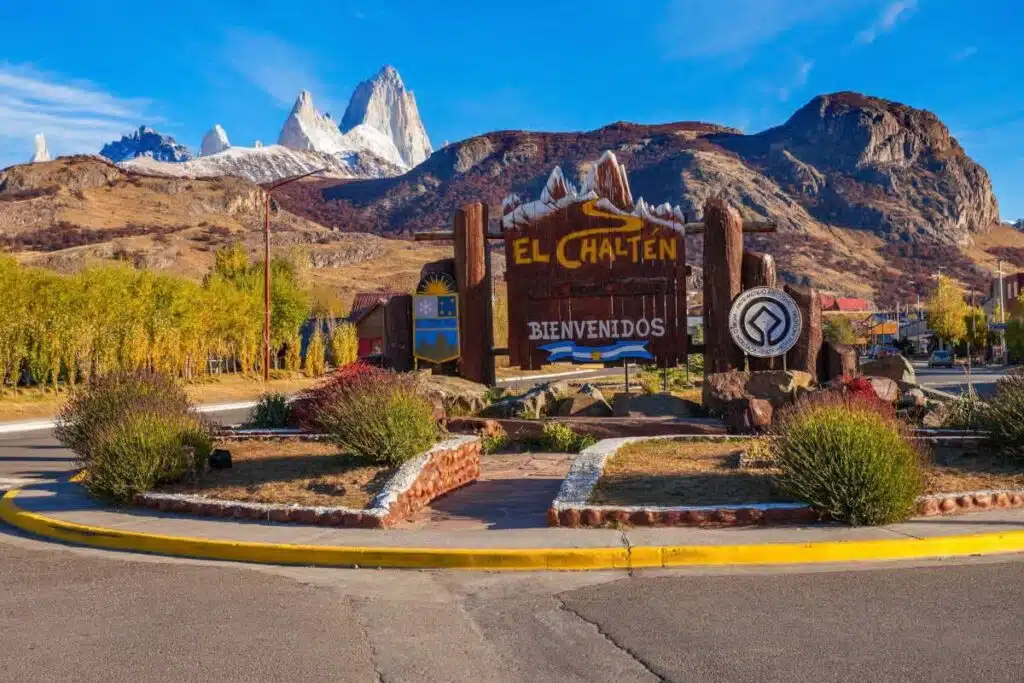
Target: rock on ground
{"x":896,"y":368}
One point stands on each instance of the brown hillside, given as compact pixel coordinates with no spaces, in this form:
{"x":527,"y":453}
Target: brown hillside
{"x":74,"y":211}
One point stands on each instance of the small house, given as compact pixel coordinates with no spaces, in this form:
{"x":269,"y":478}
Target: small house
{"x":369,"y":317}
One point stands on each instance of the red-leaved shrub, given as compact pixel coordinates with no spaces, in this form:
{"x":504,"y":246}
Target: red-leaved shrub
{"x":859,"y":387}
{"x":312,"y":402}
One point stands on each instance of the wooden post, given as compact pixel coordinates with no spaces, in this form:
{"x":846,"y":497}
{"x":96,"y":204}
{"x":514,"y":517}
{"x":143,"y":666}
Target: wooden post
{"x":398,"y":333}
{"x":804,"y":356}
{"x":723,"y":256}
{"x":476,"y":332}
{"x":759,"y":271}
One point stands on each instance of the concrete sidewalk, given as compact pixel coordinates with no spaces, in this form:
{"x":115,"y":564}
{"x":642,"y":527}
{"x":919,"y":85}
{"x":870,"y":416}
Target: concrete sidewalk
{"x":67,"y":502}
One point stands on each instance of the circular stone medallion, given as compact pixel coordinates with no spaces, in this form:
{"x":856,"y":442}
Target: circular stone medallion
{"x":764,"y":322}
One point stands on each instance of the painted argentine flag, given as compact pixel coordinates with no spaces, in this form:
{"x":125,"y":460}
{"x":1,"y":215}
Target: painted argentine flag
{"x":561,"y":350}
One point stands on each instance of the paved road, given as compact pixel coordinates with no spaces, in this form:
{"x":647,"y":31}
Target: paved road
{"x":85,"y":615}
{"x":955,"y":380}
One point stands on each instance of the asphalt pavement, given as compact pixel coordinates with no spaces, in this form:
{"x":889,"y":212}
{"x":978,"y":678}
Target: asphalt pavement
{"x":88,"y":615}
{"x":956,"y":380}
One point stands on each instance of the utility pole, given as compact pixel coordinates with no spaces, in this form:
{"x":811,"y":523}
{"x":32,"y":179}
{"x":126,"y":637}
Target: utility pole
{"x":266,"y":266}
{"x":1002,"y":316}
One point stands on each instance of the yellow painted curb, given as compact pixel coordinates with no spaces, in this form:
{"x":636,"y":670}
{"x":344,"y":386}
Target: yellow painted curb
{"x":636,"y":557}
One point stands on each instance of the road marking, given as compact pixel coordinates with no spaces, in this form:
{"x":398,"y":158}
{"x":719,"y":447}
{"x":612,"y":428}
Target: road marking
{"x":554,"y":375}
{"x":15,"y":482}
{"x":40,"y":425}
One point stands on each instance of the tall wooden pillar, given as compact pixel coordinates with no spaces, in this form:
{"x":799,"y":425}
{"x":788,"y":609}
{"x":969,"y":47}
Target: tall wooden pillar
{"x":804,"y":355}
{"x":759,"y":271}
{"x":723,"y":256}
{"x":476,"y":332}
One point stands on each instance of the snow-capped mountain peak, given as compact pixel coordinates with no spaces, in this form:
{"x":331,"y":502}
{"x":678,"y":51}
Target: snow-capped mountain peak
{"x":383,"y":103}
{"x":216,"y":140}
{"x":384,"y":138}
{"x":306,"y":128}
{"x":41,"y":153}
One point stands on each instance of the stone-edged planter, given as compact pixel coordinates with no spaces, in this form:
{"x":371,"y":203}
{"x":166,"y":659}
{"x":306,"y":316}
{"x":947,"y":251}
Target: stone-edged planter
{"x":449,"y":465}
{"x":276,"y":434}
{"x":969,"y":501}
{"x":572,"y":507}
{"x":597,"y":427}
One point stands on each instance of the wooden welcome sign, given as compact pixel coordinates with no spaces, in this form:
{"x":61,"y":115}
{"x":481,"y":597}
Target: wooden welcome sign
{"x":593,"y":278}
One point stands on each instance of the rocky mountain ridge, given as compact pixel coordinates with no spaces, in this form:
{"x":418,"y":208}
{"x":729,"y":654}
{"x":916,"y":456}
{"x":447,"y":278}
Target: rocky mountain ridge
{"x":146,"y":142}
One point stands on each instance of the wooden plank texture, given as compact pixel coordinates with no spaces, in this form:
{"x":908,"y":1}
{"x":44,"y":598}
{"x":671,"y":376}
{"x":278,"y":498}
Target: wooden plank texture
{"x":598,"y":278}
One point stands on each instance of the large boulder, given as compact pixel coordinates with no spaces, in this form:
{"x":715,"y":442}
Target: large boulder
{"x":537,"y":401}
{"x":456,"y":395}
{"x":654,"y":405}
{"x":896,"y":368}
{"x":778,"y":387}
{"x":886,"y":389}
{"x":720,"y":388}
{"x":836,"y":361}
{"x":913,"y":398}
{"x":579,"y":405}
{"x":748,"y":415}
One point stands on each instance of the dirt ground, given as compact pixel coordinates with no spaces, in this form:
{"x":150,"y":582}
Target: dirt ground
{"x":667,"y":472}
{"x":312,"y":474}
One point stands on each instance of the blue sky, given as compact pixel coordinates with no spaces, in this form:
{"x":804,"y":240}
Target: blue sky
{"x":83,"y":75}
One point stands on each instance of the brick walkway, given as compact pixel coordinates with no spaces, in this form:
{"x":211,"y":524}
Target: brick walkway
{"x":514,"y":491}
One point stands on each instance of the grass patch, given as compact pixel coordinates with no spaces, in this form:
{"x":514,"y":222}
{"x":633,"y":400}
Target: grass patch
{"x":681,"y":472}
{"x":309,"y":474}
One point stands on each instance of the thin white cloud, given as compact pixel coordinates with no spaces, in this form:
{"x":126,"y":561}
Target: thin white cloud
{"x":798,"y":80}
{"x":964,"y":53}
{"x":77,"y":117}
{"x":721,"y":28}
{"x":887,"y":20}
{"x":275,"y":66}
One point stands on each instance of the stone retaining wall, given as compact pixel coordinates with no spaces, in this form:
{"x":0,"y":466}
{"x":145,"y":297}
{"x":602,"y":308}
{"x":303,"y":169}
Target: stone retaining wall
{"x":572,"y":507}
{"x":971,"y":501}
{"x":447,"y":466}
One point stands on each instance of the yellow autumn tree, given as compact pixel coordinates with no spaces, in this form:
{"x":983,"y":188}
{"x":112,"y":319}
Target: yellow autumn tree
{"x":976,"y":326}
{"x":344,"y":344}
{"x":315,"y":361}
{"x":947,"y":311}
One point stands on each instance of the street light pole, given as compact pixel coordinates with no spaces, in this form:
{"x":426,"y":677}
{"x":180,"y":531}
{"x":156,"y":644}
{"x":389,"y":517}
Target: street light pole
{"x":266,"y":266}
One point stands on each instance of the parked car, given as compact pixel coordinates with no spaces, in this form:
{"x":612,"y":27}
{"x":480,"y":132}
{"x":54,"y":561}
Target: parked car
{"x":941,"y":359}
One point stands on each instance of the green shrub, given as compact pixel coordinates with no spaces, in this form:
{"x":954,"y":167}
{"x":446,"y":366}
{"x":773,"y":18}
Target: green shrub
{"x":132,"y":431}
{"x":1005,"y":415}
{"x":106,"y":400}
{"x":848,"y":459}
{"x":271,"y":411}
{"x":143,"y":451}
{"x":967,"y":412}
{"x":492,"y":443}
{"x":561,"y":438}
{"x":380,"y":416}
